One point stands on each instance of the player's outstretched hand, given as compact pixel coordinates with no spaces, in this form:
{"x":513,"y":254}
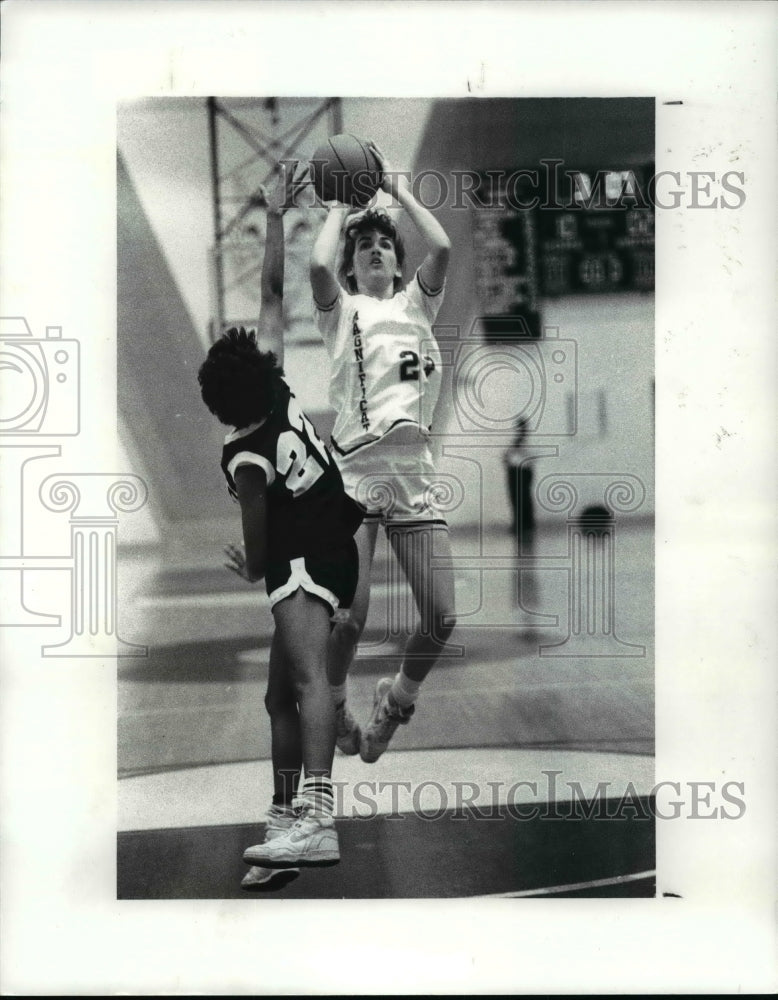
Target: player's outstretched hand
{"x":236,"y":560}
{"x":292,"y":180}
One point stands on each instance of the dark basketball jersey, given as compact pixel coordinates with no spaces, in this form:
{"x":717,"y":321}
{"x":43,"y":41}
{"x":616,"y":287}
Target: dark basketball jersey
{"x":308,"y":510}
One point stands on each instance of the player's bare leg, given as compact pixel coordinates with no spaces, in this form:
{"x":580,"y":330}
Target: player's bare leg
{"x":303,"y":627}
{"x":349,"y":626}
{"x":425,"y":556}
{"x":431,"y":580}
{"x":287,"y":755}
{"x":286,"y":736}
{"x":344,"y":639}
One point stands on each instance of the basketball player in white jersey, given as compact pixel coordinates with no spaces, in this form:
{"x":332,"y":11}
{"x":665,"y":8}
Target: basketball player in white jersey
{"x":385,"y":379}
{"x":298,"y":528}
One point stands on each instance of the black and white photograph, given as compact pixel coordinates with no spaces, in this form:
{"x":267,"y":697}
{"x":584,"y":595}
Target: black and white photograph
{"x":388,"y":531}
{"x":485,"y":677}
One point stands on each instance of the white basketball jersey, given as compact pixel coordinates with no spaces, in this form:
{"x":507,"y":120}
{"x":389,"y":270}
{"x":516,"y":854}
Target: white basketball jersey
{"x":385,"y":363}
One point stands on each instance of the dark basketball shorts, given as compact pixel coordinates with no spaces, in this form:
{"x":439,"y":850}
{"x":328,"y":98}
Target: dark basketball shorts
{"x":331,"y":575}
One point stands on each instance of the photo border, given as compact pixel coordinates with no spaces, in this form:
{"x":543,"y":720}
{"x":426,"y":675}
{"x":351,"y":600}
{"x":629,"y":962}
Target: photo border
{"x":64,"y":68}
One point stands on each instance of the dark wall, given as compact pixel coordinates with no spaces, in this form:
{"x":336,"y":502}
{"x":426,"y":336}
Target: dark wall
{"x":614,"y":333}
{"x":159,"y":352}
{"x":505,"y":134}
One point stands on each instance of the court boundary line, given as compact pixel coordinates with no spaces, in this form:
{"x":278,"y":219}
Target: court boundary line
{"x":571,"y":887}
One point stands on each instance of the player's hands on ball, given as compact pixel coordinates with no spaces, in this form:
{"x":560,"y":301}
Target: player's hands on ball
{"x":391,"y":181}
{"x":236,"y":561}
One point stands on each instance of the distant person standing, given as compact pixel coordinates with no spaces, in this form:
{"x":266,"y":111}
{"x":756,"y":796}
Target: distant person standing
{"x":520,"y":474}
{"x":519,"y":462}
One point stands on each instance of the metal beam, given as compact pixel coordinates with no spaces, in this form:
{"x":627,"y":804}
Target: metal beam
{"x":217,"y":226}
{"x":268,"y":147}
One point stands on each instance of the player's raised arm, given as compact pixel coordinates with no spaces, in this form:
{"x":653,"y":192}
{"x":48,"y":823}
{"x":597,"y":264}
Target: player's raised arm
{"x":270,"y":328}
{"x":324,"y":255}
{"x":433,"y":268}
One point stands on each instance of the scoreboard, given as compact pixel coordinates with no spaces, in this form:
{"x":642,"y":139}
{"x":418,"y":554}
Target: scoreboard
{"x":506,"y":270}
{"x":584,"y":231}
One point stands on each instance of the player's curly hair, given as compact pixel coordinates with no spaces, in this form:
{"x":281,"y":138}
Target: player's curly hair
{"x":372,"y":218}
{"x":238,"y":382}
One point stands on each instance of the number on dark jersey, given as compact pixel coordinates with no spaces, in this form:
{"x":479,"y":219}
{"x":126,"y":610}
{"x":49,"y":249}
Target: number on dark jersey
{"x":300,"y":454}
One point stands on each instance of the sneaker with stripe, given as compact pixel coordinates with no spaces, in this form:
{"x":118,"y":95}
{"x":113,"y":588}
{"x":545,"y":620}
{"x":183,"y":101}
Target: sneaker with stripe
{"x":311,"y":841}
{"x":279,"y":820}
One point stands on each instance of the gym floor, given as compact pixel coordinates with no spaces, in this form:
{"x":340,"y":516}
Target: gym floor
{"x":523,"y":773}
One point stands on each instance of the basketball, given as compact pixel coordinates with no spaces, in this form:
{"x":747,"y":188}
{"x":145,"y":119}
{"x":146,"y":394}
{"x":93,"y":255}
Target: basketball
{"x":345,"y":169}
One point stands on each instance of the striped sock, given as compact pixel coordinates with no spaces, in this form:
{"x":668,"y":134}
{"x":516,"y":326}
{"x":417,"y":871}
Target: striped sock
{"x":404,"y":691}
{"x":338,"y":692}
{"x":318,"y":791}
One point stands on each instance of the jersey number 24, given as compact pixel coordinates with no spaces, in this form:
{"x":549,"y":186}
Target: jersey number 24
{"x":409,"y":368}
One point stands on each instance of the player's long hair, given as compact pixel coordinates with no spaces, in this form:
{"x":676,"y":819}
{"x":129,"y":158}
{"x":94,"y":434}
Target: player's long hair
{"x":238,"y":382}
{"x":373,"y":218}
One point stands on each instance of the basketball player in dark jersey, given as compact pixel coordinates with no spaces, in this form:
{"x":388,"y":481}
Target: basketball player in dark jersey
{"x":298,"y":528}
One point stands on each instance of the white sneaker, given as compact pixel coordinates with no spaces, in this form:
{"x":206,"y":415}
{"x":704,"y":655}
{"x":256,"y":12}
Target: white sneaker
{"x":259,"y":879}
{"x":386,"y":717}
{"x":279,"y":820}
{"x":312,"y":841}
{"x":347,"y":732}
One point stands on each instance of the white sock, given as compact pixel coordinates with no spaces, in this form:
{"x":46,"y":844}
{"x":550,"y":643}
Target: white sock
{"x":338,"y":692}
{"x":404,"y":691}
{"x":318,"y":791}
{"x":281,"y":808}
